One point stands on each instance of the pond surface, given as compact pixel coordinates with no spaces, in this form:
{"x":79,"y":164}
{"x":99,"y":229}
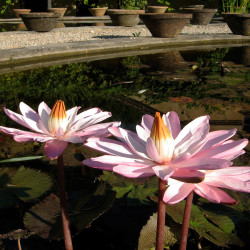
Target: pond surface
{"x":192,"y":83}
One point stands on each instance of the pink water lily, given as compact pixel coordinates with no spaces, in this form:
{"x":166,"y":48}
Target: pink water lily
{"x":234,"y":178}
{"x":161,"y":147}
{"x":57,"y":127}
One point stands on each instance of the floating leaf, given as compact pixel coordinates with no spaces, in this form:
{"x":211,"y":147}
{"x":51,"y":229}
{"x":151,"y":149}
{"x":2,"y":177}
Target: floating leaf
{"x":41,"y":218}
{"x":139,"y":191}
{"x":84,"y":207}
{"x":28,"y":184}
{"x":229,"y":219}
{"x":147,"y":238}
{"x":18,"y":159}
{"x":200,"y":223}
{"x":182,"y":99}
{"x":23,"y":183}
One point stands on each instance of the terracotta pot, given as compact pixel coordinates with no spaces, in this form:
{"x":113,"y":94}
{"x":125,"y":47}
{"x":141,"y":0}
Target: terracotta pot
{"x":166,"y":24}
{"x":157,"y":9}
{"x":202,"y":16}
{"x":17,"y":12}
{"x":60,"y":11}
{"x":20,"y":26}
{"x":122,"y":17}
{"x":238,"y":23}
{"x":40,"y":21}
{"x":98,"y":11}
{"x":98,"y":24}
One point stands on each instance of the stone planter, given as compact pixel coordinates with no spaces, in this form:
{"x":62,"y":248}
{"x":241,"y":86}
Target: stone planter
{"x":98,"y":11}
{"x":40,"y":21}
{"x":124,"y":17}
{"x":202,"y":16}
{"x":60,"y":11}
{"x":238,"y":23}
{"x":166,"y":24}
{"x":196,"y":6}
{"x":17,"y":12}
{"x":157,"y":9}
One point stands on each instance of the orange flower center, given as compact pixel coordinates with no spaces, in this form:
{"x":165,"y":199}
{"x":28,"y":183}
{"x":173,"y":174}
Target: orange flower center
{"x":162,"y":139}
{"x":58,"y":118}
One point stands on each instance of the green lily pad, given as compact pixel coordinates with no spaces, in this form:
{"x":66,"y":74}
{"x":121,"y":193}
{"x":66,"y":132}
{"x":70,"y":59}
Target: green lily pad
{"x":201,"y":224}
{"x":84,"y":206}
{"x":41,"y":218}
{"x":138,"y":191}
{"x":22,"y":183}
{"x":147,"y":239}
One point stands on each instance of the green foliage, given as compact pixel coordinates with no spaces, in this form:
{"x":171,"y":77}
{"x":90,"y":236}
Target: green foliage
{"x":23,"y":184}
{"x":5,"y":6}
{"x":147,"y":237}
{"x":85,"y":205}
{"x":215,"y":222}
{"x":235,"y":6}
{"x":132,"y":4}
{"x":27,"y":158}
{"x":137,"y":191}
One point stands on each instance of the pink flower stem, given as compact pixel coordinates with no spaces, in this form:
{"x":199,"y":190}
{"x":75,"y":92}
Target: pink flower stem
{"x":63,"y":203}
{"x":185,"y":222}
{"x":161,"y":215}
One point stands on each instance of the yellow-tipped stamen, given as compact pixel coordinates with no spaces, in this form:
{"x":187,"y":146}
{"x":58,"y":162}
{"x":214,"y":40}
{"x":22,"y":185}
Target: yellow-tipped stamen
{"x":162,"y":139}
{"x":58,"y":118}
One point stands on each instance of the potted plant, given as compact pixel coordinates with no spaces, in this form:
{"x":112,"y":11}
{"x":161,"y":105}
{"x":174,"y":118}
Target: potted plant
{"x":6,"y":7}
{"x":128,"y":14}
{"x":235,"y":14}
{"x":97,"y":10}
{"x":60,"y":11}
{"x":40,"y":21}
{"x":159,"y":9}
{"x":165,"y":25}
{"x":201,"y":15}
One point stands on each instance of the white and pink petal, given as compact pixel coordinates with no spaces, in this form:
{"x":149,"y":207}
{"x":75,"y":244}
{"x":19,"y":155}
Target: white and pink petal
{"x":55,"y":148}
{"x":177,"y":192}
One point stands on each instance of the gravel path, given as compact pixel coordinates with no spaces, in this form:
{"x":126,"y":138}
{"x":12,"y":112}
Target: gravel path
{"x":20,"y":39}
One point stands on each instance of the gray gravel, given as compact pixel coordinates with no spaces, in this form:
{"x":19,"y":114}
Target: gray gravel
{"x":21,"y":39}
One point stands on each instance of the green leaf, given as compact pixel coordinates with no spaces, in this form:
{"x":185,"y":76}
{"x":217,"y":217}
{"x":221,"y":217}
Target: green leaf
{"x":28,"y":184}
{"x":18,"y":159}
{"x":84,"y":207}
{"x":41,"y":218}
{"x":229,"y":219}
{"x":147,"y":239}
{"x":139,"y":191}
{"x":199,"y":223}
{"x":23,"y":183}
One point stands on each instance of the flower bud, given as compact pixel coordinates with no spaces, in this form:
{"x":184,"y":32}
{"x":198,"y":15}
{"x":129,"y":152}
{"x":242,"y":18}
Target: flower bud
{"x":58,"y":118}
{"x":162,"y":139}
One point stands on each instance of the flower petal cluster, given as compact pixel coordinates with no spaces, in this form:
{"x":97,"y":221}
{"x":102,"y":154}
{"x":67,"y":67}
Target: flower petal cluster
{"x":234,"y":178}
{"x":173,"y":152}
{"x":57,"y":127}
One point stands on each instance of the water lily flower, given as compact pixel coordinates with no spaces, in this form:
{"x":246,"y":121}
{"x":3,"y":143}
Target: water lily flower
{"x":234,"y":178}
{"x":161,"y":147}
{"x":57,"y":127}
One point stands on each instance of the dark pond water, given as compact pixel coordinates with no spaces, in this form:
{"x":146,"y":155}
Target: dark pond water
{"x":192,"y":83}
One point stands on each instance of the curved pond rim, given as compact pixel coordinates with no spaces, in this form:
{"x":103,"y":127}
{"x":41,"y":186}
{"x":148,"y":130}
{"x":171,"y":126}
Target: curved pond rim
{"x":62,"y":53}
